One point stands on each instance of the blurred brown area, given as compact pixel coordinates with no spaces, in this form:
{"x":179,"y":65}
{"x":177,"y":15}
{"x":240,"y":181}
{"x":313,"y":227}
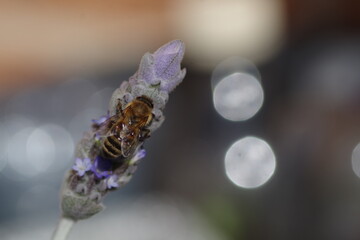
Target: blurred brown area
{"x":40,"y":38}
{"x":56,"y":38}
{"x":310,"y":17}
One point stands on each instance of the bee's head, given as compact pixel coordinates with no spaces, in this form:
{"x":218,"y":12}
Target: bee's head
{"x":146,"y":100}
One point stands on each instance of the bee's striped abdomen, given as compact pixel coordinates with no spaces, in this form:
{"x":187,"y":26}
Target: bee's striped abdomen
{"x":111,"y":147}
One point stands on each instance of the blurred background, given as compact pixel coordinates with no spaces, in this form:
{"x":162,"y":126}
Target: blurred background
{"x":260,"y":140}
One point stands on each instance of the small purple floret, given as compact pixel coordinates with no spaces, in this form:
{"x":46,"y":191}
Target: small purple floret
{"x":101,"y":120}
{"x":101,"y":168}
{"x":112,"y":182}
{"x":139,"y":155}
{"x":82,"y":165}
{"x":97,"y":137}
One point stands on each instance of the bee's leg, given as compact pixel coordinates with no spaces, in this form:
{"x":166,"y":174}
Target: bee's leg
{"x":157,"y":114}
{"x":119,"y":108}
{"x":145,"y":133}
{"x":125,"y":100}
{"x":157,"y":119}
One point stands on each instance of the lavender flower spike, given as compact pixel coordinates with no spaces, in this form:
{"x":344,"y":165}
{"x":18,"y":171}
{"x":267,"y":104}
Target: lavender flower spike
{"x":93,"y":176}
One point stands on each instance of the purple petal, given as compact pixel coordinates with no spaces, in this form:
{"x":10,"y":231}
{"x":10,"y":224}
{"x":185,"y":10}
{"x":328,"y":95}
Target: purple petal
{"x":101,"y":167}
{"x":78,"y":161}
{"x":81,"y":173}
{"x":101,"y":174}
{"x":140,"y":154}
{"x":112,"y":182}
{"x":101,"y":120}
{"x":103,"y":164}
{"x":87,"y":164}
{"x":82,"y":165}
{"x":76,"y":168}
{"x":97,"y":137}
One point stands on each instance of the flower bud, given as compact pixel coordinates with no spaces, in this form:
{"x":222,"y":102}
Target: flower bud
{"x":162,"y":68}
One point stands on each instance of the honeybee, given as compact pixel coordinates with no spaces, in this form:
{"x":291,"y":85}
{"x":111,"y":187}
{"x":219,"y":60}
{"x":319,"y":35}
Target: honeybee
{"x":125,"y":130}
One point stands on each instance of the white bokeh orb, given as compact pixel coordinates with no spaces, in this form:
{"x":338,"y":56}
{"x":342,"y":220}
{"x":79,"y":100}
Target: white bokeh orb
{"x":355,"y":160}
{"x":30,"y":151}
{"x":238,"y":97}
{"x":250,"y":162}
{"x":40,"y":150}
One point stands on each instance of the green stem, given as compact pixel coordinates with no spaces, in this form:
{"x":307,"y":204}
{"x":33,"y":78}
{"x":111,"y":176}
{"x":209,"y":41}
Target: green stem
{"x":63,"y":229}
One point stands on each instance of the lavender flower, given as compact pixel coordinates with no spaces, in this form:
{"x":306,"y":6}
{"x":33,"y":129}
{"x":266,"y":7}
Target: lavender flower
{"x":101,"y":120}
{"x":158,"y":74}
{"x":101,"y":167}
{"x":139,"y":155}
{"x":112,"y":182}
{"x":82,"y":165}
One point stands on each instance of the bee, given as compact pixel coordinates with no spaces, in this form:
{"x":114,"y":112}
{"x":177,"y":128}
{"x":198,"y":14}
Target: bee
{"x":124,"y":131}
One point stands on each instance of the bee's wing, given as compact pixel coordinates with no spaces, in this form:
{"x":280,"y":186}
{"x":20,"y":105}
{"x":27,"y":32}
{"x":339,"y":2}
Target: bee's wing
{"x":105,"y":127}
{"x":127,"y":149}
{"x":129,"y":145}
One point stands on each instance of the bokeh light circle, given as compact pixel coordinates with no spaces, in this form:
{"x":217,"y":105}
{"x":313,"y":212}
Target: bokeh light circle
{"x":64,"y":146}
{"x":355,"y":160}
{"x":238,"y":97}
{"x":16,"y":152}
{"x":30,"y":151}
{"x":232,"y":65}
{"x":40,"y":150}
{"x":3,"y":141}
{"x":250,"y":162}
